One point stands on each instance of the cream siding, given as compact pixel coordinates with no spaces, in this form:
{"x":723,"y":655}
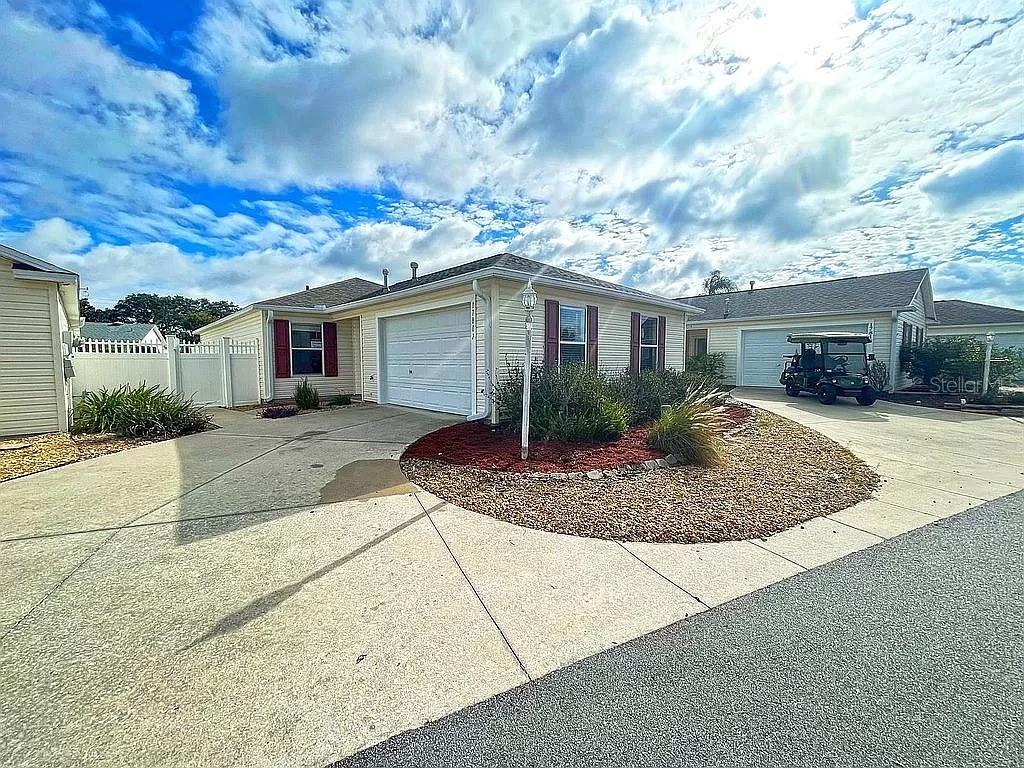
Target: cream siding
{"x":916,"y":319}
{"x":28,"y":368}
{"x":246,"y":326}
{"x":613,"y":327}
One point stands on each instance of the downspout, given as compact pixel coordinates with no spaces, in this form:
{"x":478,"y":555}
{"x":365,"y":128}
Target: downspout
{"x":895,"y":373}
{"x":686,"y":342}
{"x":268,"y":353}
{"x":481,"y":296}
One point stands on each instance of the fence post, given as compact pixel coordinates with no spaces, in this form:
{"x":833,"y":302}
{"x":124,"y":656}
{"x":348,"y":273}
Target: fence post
{"x":173,"y":383}
{"x":225,"y":364}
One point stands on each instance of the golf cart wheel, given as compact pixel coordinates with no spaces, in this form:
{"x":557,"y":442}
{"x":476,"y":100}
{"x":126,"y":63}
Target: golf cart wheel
{"x":826,"y":394}
{"x":792,"y":391}
{"x":867,"y":396}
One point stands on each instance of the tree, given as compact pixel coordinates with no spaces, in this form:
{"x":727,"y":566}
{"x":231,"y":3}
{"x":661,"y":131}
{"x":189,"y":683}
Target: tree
{"x":716,"y":282}
{"x":177,"y":315}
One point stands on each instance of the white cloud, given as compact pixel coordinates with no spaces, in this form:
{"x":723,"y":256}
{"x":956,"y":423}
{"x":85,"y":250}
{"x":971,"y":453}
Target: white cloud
{"x":996,"y":172}
{"x":53,"y":236}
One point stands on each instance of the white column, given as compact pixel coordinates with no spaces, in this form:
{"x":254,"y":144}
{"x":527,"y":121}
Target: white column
{"x":173,"y":381}
{"x":225,"y":366}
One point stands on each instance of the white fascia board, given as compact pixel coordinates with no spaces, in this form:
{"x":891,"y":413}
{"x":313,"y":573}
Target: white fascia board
{"x":220,"y":321}
{"x":14,"y":254}
{"x":68,"y":278}
{"x":697,"y":323}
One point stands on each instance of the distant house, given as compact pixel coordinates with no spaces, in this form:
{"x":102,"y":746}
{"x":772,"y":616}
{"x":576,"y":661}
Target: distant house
{"x":749,"y":327}
{"x":38,"y":319}
{"x":143,"y":333}
{"x":967,"y":318}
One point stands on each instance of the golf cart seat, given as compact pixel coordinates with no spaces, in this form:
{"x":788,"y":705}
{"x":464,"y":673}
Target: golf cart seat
{"x":808,"y":359}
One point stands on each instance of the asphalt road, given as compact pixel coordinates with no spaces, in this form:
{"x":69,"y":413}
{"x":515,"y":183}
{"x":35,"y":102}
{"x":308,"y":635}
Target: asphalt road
{"x":905,"y":654}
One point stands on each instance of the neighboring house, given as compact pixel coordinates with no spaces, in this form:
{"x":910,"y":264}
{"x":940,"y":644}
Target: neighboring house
{"x":440,"y":341}
{"x":967,"y":318}
{"x":749,"y":328}
{"x":38,"y":318}
{"x":142,"y":333}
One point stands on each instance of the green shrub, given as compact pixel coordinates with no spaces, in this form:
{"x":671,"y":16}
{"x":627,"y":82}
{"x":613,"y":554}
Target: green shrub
{"x":339,"y":400}
{"x":139,"y":411}
{"x":710,"y":367}
{"x":959,"y":357}
{"x":645,"y":394}
{"x":568,"y":403}
{"x":878,"y":376}
{"x":307,"y":398}
{"x":692,"y":429}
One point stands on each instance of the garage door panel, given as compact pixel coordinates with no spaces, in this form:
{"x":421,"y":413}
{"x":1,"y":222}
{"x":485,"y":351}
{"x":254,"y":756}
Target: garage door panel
{"x":428,"y":360}
{"x":764,"y":352}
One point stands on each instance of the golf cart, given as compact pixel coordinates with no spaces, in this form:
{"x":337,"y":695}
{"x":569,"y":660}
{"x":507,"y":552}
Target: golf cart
{"x":830,"y":364}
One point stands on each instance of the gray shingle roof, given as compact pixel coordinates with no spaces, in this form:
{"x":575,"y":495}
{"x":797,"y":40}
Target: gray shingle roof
{"x":959,"y":312}
{"x":891,"y":290}
{"x":24,"y":261}
{"x":518,"y":264}
{"x":330,"y":295}
{"x":116,"y":331}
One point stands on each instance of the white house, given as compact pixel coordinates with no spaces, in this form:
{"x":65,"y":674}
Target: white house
{"x":38,"y":319}
{"x":749,"y":327}
{"x":440,"y":341}
{"x":968,"y":318}
{"x":141,"y":333}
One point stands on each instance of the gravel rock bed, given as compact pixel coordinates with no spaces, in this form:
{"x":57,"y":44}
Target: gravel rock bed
{"x":23,"y":456}
{"x":779,"y":474}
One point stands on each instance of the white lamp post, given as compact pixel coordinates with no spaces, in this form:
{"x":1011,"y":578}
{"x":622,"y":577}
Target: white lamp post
{"x":988,"y":362}
{"x":529,"y":304}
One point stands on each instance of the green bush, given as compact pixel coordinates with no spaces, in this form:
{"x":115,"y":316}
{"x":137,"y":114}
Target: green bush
{"x":878,"y":376}
{"x":307,"y":398}
{"x":339,"y":400}
{"x":959,"y":357}
{"x":692,"y":429}
{"x":139,"y":411}
{"x":710,"y":367}
{"x":568,"y":403}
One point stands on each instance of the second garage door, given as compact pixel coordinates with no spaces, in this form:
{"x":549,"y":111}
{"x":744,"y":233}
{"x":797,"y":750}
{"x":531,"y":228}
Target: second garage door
{"x":763,"y":352}
{"x":428,"y":360}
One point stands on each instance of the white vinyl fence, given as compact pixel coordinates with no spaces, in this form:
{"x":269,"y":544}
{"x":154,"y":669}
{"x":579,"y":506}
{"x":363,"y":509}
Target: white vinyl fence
{"x":222,"y":373}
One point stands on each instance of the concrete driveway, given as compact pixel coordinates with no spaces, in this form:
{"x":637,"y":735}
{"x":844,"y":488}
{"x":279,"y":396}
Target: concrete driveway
{"x":274,"y":593}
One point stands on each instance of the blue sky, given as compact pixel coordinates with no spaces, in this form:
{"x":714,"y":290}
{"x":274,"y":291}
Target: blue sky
{"x":240,"y":149}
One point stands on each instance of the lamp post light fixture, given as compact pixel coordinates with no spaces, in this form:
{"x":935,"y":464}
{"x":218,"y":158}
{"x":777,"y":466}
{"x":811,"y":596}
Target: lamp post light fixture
{"x":529,"y":304}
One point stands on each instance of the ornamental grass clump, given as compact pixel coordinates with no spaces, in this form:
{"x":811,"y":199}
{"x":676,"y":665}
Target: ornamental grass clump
{"x":692,"y":430}
{"x":307,"y":398}
{"x":138,"y":411}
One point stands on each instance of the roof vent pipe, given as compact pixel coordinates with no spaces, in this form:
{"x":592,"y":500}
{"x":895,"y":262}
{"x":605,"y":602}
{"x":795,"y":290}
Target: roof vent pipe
{"x":307,"y":287}
{"x":413,"y":266}
{"x":385,"y":273}
{"x":725,"y":307}
{"x":751,"y":285}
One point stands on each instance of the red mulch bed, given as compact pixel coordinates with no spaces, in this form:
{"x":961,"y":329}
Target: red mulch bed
{"x":476,"y":444}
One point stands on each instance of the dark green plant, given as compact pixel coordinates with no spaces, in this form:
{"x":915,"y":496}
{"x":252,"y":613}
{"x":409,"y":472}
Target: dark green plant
{"x":138,"y":411}
{"x":306,"y":396}
{"x":710,"y":366}
{"x":568,"y":403}
{"x":692,"y":430}
{"x":959,"y":357}
{"x":339,"y":400}
{"x":878,"y":376}
{"x":279,"y":412}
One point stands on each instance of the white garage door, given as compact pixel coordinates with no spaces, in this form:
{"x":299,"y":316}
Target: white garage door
{"x":428,"y":360}
{"x":763,"y":352}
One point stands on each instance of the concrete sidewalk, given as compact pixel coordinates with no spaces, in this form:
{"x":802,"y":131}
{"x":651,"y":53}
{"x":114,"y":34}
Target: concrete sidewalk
{"x":918,"y":665}
{"x":272,"y":592}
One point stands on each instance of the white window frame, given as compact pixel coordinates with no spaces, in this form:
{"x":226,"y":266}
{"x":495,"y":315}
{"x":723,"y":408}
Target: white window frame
{"x":292,"y":348}
{"x":582,"y":343}
{"x":654,"y":346}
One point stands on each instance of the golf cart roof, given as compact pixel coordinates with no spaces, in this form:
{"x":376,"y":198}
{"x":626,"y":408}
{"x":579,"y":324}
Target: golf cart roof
{"x":817,"y":338}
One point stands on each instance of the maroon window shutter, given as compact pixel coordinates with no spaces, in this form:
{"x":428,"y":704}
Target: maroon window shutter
{"x":634,"y":342}
{"x":661,"y":342}
{"x":550,"y":332}
{"x":330,"y":349}
{"x":592,"y":336}
{"x":282,"y":350}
